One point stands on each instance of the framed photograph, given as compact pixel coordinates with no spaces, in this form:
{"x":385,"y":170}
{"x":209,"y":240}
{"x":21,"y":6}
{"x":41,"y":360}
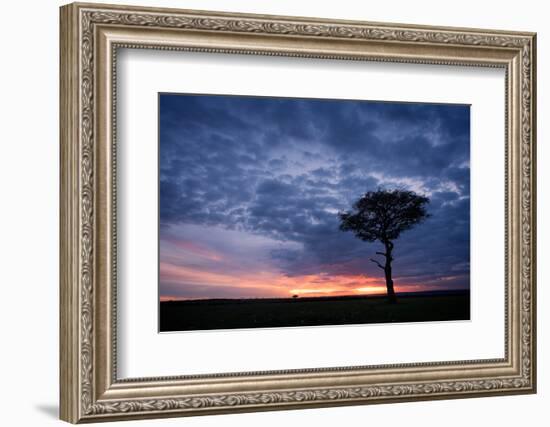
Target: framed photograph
{"x":266,"y":212}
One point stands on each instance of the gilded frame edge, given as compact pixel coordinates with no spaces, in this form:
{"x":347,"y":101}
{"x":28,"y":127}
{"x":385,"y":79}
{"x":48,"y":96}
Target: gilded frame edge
{"x":88,"y":390}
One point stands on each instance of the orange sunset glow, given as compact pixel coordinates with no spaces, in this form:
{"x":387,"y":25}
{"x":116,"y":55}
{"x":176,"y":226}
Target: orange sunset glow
{"x":269,"y":284}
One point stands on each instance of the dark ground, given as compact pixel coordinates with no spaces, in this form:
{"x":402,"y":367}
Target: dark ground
{"x":278,"y":312}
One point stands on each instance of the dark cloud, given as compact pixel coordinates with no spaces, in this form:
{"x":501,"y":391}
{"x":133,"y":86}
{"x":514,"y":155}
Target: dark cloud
{"x":283,"y":168}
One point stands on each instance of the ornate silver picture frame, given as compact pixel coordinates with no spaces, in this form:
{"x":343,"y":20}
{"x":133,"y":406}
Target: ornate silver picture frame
{"x":91,"y":36}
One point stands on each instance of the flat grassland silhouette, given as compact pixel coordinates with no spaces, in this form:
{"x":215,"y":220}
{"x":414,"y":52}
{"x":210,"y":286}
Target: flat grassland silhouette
{"x":211,"y":314}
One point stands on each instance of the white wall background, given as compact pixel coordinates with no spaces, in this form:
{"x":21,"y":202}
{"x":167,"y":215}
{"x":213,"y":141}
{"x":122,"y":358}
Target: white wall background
{"x":29,"y":170}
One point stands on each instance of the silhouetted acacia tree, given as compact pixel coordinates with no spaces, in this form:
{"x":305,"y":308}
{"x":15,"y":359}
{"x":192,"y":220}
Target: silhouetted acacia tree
{"x":383,"y":215}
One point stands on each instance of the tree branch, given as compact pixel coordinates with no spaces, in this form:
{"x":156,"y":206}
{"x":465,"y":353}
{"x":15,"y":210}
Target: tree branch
{"x":382,"y":253}
{"x":377,"y":263}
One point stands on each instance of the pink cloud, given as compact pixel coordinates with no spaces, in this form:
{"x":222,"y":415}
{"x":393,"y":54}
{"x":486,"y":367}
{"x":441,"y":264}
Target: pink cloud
{"x":273,"y":284}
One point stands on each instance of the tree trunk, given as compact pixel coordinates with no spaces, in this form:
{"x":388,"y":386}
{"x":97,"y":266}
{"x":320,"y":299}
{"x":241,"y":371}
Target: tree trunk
{"x":387,"y":271}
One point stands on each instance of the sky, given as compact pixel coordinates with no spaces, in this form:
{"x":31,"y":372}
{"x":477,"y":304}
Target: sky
{"x":250,"y":189}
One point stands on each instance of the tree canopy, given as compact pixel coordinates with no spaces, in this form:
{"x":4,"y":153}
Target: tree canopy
{"x":384,"y":214}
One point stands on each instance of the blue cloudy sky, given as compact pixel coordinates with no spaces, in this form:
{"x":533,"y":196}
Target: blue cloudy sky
{"x":250,"y":188}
